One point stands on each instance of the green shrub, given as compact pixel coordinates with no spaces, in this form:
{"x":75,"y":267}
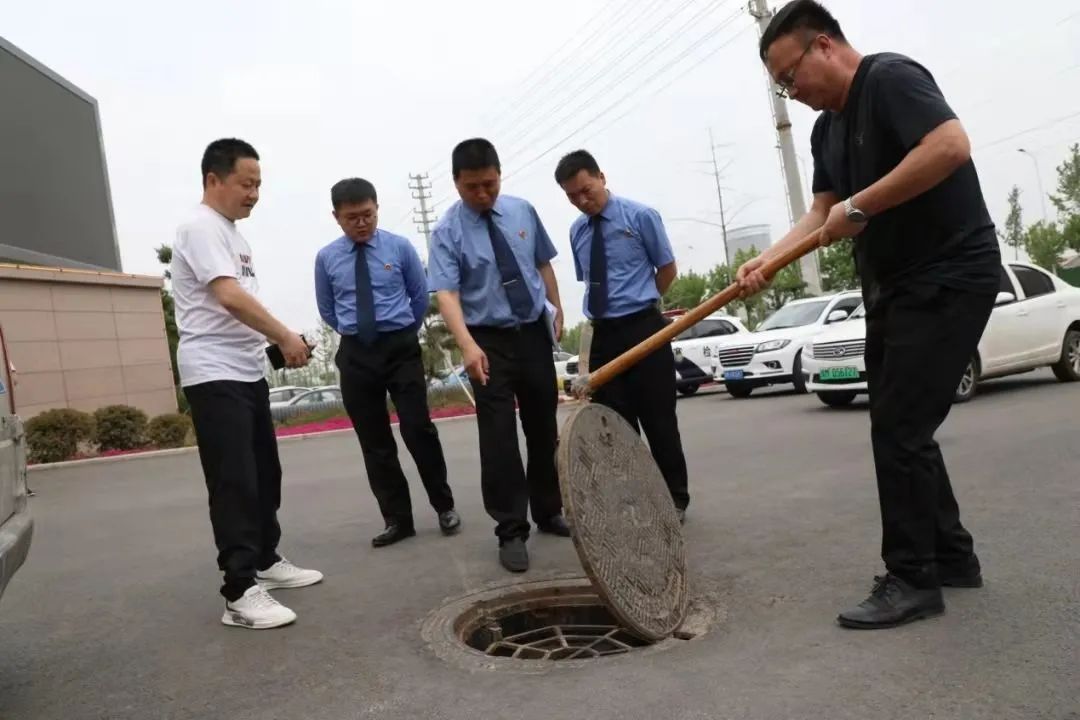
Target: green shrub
{"x":119,"y":427}
{"x":169,"y":431}
{"x":54,"y":435}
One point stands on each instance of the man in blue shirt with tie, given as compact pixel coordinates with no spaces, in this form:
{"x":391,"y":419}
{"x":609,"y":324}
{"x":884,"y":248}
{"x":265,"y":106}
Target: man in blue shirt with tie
{"x":490,"y":263}
{"x":371,"y":288}
{"x":622,"y":252}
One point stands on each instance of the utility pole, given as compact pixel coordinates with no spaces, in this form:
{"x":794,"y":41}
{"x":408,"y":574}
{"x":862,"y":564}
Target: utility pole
{"x":720,"y":197}
{"x":808,"y":265}
{"x":425,"y":216}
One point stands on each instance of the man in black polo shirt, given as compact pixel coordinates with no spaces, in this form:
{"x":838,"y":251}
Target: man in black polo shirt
{"x":893,"y":169}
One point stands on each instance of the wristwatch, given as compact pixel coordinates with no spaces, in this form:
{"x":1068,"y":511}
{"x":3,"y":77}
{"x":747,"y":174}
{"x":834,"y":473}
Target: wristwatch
{"x":853,"y":213}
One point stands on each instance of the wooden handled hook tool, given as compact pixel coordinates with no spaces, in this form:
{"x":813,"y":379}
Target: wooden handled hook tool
{"x":604,"y":374}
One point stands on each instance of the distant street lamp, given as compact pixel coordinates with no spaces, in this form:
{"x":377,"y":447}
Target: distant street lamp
{"x":1038,"y":178}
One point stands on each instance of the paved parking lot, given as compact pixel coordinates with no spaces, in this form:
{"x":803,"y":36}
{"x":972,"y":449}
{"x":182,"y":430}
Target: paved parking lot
{"x":116,"y":613}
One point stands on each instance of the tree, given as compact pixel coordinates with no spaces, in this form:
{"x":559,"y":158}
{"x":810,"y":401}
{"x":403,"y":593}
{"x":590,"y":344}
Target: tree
{"x":838,"y":267}
{"x":1071,"y":232}
{"x":1044,"y":244}
{"x":326,"y":345}
{"x":1067,"y":201}
{"x":571,"y":339}
{"x":754,"y":308}
{"x":436,"y":341}
{"x":686,"y":291}
{"x":1014,"y":223}
{"x":168,"y":307}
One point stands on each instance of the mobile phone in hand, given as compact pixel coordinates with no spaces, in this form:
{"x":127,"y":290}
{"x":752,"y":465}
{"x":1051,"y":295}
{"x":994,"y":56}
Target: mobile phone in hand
{"x":277,"y":358}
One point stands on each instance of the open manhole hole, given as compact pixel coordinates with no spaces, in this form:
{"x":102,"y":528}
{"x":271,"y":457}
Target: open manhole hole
{"x":535,"y":624}
{"x":552,"y":631}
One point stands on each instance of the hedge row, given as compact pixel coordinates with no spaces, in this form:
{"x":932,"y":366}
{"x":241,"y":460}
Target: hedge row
{"x":56,"y":435}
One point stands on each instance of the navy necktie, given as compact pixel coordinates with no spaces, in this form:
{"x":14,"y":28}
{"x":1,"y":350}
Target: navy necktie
{"x":598,"y":290}
{"x":365,"y":298}
{"x":521,"y":301}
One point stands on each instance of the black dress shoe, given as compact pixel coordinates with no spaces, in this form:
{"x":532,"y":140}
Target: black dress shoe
{"x":893,"y":602}
{"x":449,"y":522}
{"x":555,"y":525}
{"x":968,"y":577}
{"x":514,"y":556}
{"x":394,"y":532}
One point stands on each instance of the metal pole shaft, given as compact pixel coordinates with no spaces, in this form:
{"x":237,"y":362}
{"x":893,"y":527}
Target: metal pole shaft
{"x":808,"y":265}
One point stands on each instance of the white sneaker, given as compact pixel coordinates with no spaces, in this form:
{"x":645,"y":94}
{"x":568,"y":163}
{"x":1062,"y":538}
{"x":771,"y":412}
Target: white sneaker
{"x":257,"y":610}
{"x":283,"y":574}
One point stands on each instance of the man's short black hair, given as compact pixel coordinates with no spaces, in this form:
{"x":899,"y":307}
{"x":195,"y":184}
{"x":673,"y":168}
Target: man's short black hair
{"x":221,"y":155}
{"x":352,"y":191}
{"x":474,"y":154}
{"x":800,"y":15}
{"x":575,"y":162}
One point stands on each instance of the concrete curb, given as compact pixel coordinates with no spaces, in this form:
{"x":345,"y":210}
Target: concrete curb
{"x":183,"y":450}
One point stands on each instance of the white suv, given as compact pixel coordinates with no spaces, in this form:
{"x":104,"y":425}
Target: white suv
{"x":772,"y":354}
{"x":1035,"y":323}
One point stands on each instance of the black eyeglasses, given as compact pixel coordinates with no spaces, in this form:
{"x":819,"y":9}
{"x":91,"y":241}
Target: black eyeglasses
{"x":786,"y":80}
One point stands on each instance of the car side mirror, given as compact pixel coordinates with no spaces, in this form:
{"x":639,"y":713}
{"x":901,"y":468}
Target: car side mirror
{"x":836,"y":316}
{"x":1004,"y":298}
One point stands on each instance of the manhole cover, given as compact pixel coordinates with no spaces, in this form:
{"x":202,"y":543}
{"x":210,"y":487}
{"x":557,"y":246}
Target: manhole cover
{"x":624,"y":525}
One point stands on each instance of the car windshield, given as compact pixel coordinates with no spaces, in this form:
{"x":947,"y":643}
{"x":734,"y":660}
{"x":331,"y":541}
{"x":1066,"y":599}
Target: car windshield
{"x":791,"y":316}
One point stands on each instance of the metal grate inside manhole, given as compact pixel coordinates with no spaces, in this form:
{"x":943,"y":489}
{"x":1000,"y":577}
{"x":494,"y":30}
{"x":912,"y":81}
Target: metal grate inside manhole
{"x":568,"y":632}
{"x":538,"y":625}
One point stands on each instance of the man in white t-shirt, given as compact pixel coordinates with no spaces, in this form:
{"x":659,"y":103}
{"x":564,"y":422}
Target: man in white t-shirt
{"x":223,"y":335}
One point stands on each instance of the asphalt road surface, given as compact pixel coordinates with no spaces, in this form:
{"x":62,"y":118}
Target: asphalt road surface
{"x":116,"y":614}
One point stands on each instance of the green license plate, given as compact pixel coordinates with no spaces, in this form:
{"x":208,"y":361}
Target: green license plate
{"x":839,"y":373}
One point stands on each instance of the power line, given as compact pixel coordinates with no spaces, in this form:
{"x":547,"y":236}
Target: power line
{"x":625,"y":22}
{"x":1043,"y":126}
{"x":548,"y":62}
{"x":515,"y":110}
{"x":610,"y":84}
{"x":609,"y":67}
{"x":675,"y":61}
{"x":668,"y":84}
{"x":712,"y":33}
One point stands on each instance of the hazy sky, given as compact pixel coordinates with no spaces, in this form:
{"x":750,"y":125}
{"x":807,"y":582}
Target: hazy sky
{"x":329,"y":88}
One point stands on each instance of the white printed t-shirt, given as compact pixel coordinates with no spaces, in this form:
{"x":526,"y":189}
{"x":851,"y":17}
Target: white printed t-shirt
{"x":213,"y":344}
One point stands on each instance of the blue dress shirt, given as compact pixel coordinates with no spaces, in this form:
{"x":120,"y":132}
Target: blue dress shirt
{"x":461,"y":259}
{"x":398,"y":283}
{"x":635,"y":245}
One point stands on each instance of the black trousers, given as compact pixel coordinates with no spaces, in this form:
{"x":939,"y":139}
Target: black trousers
{"x":645,"y":394}
{"x":239,"y":455}
{"x":919,"y":341}
{"x":392,"y":364}
{"x":520,"y":368}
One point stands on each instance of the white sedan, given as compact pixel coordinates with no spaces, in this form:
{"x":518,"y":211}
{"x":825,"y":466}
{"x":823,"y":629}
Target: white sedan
{"x":1035,"y":323}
